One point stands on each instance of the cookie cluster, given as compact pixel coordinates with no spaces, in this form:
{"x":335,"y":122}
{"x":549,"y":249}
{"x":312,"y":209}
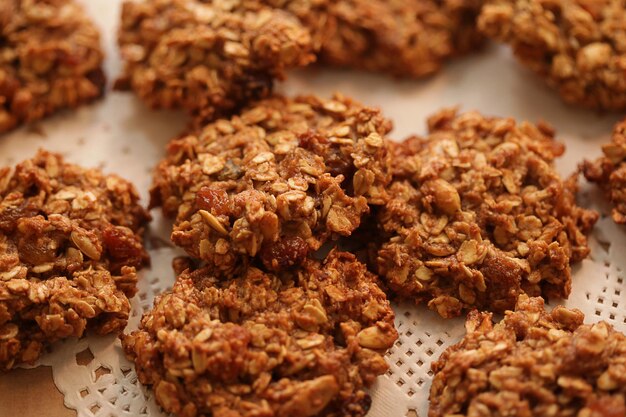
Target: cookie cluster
{"x":471,"y":216}
{"x":269,"y":316}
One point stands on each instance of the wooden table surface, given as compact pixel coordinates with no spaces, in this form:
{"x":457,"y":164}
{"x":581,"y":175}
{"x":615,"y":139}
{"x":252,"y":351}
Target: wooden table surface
{"x":31,"y":393}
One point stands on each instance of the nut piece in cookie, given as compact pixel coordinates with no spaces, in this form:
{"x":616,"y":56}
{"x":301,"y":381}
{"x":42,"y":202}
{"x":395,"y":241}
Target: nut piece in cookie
{"x":303,"y":343}
{"x":210,"y":56}
{"x":532,"y":363}
{"x":478,"y":215}
{"x":50,"y":59}
{"x":609,"y":172}
{"x":577,"y":46}
{"x":274,"y":182}
{"x":404,"y":38}
{"x":70,"y":245}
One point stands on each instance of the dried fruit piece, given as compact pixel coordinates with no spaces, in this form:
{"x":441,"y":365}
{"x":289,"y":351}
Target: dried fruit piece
{"x":50,"y":59}
{"x":577,"y":46}
{"x":295,"y":162}
{"x":609,"y":172}
{"x":532,"y":363}
{"x":252,"y":343}
{"x":284,"y":253}
{"x":70,"y":244}
{"x":478,"y":215}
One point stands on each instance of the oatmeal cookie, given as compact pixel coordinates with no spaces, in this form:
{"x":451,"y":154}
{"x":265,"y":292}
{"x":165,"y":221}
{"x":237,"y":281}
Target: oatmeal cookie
{"x":578,"y":46}
{"x":274,"y":182}
{"x":302,"y":343}
{"x":405,"y":38}
{"x":478,"y":215}
{"x":609,"y":172}
{"x":532,"y":363}
{"x":69,"y":248}
{"x":50,"y":59}
{"x":207,"y":56}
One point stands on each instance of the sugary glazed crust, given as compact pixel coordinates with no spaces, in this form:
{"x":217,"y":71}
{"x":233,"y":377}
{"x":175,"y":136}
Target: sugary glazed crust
{"x":609,"y":172}
{"x":303,"y":343}
{"x":207,"y":57}
{"x":532,"y":363}
{"x":577,"y":46}
{"x":50,"y":59}
{"x":478,"y":215}
{"x":70,"y":245}
{"x":274,"y":182}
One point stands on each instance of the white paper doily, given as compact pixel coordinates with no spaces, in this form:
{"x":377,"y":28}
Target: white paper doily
{"x":120,"y":135}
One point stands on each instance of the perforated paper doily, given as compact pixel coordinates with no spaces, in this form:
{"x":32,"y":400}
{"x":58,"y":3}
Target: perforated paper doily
{"x":122,"y":136}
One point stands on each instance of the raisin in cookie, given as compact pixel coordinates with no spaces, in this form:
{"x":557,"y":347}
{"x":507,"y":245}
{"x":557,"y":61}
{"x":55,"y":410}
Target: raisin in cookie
{"x":532,"y":363}
{"x":303,"y":343}
{"x":274,"y":182}
{"x":577,"y":46}
{"x":50,"y":59}
{"x":70,"y":245}
{"x":479,"y":215}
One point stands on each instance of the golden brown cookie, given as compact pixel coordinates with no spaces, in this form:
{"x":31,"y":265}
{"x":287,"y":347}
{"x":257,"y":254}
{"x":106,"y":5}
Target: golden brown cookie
{"x":478,"y":215}
{"x":274,"y":182}
{"x":70,"y":245}
{"x":303,"y":343}
{"x":207,"y":57}
{"x":404,"y":38}
{"x":50,"y":59}
{"x":532,"y":363}
{"x":609,"y":172}
{"x":577,"y":46}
